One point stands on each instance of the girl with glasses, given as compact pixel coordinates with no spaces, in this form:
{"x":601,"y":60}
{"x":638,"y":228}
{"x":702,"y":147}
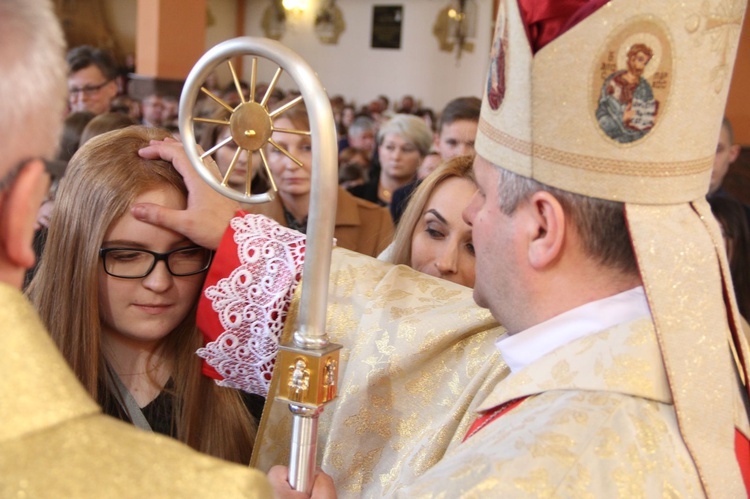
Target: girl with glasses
{"x":118,"y":297}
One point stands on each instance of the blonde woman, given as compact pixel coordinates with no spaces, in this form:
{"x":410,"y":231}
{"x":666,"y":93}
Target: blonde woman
{"x":432,"y":236}
{"x":403,"y":142}
{"x":118,"y":297}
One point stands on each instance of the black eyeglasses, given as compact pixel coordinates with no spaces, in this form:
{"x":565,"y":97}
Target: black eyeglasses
{"x":130,"y":263}
{"x":88,"y":90}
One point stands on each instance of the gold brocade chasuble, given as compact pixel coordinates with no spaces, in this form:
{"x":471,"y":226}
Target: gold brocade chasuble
{"x":419,"y":364}
{"x":599,"y":421}
{"x":418,"y":357}
{"x":55,"y":442}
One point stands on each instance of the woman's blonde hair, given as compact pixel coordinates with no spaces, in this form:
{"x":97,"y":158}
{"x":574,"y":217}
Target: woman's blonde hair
{"x":461,"y":167}
{"x":410,"y":128}
{"x":105,"y":177}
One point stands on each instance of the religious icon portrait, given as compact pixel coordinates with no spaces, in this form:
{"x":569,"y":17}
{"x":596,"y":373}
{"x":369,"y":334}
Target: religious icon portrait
{"x":631,"y":81}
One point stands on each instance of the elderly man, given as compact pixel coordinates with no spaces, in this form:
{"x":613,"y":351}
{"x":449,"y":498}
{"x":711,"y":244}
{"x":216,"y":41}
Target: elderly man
{"x":627,"y":369}
{"x":54,"y":440}
{"x":361,"y":134}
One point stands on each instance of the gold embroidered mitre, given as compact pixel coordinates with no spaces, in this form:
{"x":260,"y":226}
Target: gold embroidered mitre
{"x":583,"y":115}
{"x":624,"y":103}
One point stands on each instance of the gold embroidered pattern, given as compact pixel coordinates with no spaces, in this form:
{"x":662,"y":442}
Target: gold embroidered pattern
{"x":599,"y":165}
{"x":719,"y":25}
{"x":417,"y":373}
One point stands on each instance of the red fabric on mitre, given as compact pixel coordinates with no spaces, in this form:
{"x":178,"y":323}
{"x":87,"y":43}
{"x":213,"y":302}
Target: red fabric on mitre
{"x":545,"y":20}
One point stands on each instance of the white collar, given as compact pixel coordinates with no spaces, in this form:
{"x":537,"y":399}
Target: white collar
{"x":523,"y":348}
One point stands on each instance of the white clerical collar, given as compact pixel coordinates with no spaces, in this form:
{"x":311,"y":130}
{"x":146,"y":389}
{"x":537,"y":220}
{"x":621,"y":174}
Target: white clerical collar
{"x":525,"y":347}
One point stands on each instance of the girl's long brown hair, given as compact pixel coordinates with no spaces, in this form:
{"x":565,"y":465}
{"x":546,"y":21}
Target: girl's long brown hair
{"x":102,"y":180}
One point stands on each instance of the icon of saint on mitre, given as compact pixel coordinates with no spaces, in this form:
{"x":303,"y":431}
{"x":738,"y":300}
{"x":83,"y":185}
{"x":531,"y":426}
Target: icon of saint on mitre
{"x":635,"y":74}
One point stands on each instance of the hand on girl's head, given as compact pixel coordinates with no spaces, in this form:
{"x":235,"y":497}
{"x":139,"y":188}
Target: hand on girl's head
{"x":208,"y":212}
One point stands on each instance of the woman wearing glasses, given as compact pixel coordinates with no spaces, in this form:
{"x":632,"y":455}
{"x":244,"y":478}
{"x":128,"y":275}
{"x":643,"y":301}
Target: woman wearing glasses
{"x":119,"y":297}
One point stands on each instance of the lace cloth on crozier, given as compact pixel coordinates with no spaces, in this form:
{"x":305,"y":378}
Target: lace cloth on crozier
{"x":252,"y":302}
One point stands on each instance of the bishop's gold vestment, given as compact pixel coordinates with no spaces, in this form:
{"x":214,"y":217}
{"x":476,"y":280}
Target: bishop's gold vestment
{"x":418,"y":357}
{"x":598,"y":422}
{"x":55,"y":441}
{"x":419,"y":361}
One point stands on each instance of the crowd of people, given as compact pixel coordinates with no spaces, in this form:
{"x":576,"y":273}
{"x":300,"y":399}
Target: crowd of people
{"x":598,"y":280}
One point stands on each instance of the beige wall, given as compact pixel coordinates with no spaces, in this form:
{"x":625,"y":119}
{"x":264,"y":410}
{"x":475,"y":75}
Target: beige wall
{"x":121,"y":18}
{"x":360,"y":73}
{"x":351,"y":68}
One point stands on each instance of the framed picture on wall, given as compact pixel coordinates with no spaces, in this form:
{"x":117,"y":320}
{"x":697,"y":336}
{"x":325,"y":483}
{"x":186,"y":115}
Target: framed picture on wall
{"x":386,"y":26}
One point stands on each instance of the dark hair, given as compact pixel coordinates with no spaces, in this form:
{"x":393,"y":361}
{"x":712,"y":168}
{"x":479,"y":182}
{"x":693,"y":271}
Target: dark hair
{"x":105,"y":122}
{"x":73,"y":127}
{"x":349,"y":172}
{"x":462,"y":108}
{"x":600,"y":223}
{"x":426,"y":112}
{"x":84,"y":56}
{"x":733,"y":220}
{"x":350,"y":168}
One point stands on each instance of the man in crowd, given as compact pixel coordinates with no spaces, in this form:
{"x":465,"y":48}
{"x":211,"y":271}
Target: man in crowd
{"x":726,"y":154}
{"x":152,"y":110}
{"x":457,"y":127}
{"x":361,"y":135}
{"x":92,"y":83}
{"x":54,"y":440}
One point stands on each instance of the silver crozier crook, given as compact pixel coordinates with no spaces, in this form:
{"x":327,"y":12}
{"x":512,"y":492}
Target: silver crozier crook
{"x":309,"y":366}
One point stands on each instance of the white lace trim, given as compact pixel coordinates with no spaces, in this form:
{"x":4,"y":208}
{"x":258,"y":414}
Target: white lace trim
{"x":252,"y":303}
